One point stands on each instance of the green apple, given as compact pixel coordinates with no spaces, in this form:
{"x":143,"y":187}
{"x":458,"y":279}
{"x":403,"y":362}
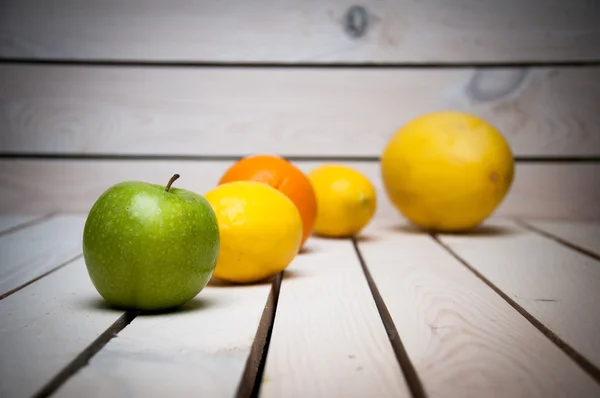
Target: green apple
{"x":150,"y":247}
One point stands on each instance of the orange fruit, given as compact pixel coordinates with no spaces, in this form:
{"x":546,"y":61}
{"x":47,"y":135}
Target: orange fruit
{"x":283,"y":176}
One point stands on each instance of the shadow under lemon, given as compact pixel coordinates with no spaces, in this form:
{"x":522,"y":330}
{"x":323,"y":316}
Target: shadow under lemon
{"x":308,"y":249}
{"x":365,"y":238}
{"x":286,"y":274}
{"x":481,"y":230}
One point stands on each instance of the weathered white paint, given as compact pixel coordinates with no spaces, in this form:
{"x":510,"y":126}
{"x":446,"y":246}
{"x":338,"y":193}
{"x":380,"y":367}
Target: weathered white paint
{"x":32,"y":251}
{"x":301,"y":31}
{"x":10,"y":221}
{"x":541,"y":190}
{"x":301,"y":112}
{"x":200,"y":350}
{"x":328,"y":338}
{"x":555,"y":284}
{"x":46,"y":325}
{"x":465,"y":340}
{"x":583,"y":234}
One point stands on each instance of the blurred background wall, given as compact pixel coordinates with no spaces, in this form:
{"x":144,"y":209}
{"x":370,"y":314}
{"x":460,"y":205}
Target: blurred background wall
{"x":96,"y":92}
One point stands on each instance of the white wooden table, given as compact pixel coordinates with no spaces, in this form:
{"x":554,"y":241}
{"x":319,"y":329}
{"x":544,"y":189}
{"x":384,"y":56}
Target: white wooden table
{"x":510,"y":311}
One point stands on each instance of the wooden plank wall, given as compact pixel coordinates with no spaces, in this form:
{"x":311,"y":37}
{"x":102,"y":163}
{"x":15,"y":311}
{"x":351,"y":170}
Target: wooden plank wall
{"x":93,"y":93}
{"x":393,"y":31}
{"x":561,"y":190}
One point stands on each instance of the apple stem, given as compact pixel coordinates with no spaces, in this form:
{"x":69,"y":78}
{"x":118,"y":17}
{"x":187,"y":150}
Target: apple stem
{"x":171,"y":181}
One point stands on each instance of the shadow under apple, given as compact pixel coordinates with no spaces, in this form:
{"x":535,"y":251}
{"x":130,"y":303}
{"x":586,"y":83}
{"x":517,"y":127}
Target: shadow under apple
{"x":198,"y":303}
{"x":97,"y":303}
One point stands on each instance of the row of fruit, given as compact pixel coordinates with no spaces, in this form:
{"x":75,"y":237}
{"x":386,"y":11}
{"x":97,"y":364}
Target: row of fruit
{"x":155,"y":247}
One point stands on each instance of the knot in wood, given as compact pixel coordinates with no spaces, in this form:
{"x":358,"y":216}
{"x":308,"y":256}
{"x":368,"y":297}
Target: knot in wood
{"x":494,"y":84}
{"x":356,"y":21}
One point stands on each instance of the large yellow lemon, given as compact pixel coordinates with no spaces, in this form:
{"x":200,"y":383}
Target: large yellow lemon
{"x":346,"y":200}
{"x":260,"y":231}
{"x":447,"y":171}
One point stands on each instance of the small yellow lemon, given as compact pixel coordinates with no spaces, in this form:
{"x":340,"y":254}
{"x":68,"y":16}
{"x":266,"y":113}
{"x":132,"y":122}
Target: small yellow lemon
{"x":447,"y":171}
{"x":260,"y":231}
{"x":346,"y":200}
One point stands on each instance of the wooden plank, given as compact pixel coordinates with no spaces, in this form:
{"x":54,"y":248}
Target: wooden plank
{"x":463,"y":339}
{"x":10,"y":221}
{"x":200,"y":350}
{"x":311,"y":112}
{"x":552,"y":190}
{"x":300,"y":31}
{"x":30,"y":252}
{"x":46,"y":325}
{"x":585,"y":235}
{"x":328,"y":338}
{"x":556,"y":285}
{"x":539,"y":190}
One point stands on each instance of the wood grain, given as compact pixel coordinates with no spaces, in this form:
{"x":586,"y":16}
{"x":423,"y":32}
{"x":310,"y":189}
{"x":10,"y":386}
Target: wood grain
{"x":30,"y":252}
{"x":44,"y":326}
{"x":585,"y":235}
{"x":301,"y":31}
{"x":328,"y":338}
{"x":555,"y":284}
{"x":539,"y":190}
{"x":463,"y":339}
{"x":301,"y":112}
{"x":199,"y":350}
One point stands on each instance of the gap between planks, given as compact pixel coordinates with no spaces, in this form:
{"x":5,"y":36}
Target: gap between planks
{"x":35,"y":251}
{"x":62,"y":156}
{"x":251,"y":379}
{"x":84,"y":357}
{"x":28,"y":223}
{"x":410,"y":374}
{"x":579,"y":359}
{"x":296,"y":64}
{"x":37,"y":278}
{"x":557,"y":239}
{"x":328,"y":338}
{"x":252,"y":375}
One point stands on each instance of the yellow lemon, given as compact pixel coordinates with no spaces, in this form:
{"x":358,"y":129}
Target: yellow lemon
{"x":346,"y":200}
{"x":260,"y":230}
{"x":447,"y":171}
